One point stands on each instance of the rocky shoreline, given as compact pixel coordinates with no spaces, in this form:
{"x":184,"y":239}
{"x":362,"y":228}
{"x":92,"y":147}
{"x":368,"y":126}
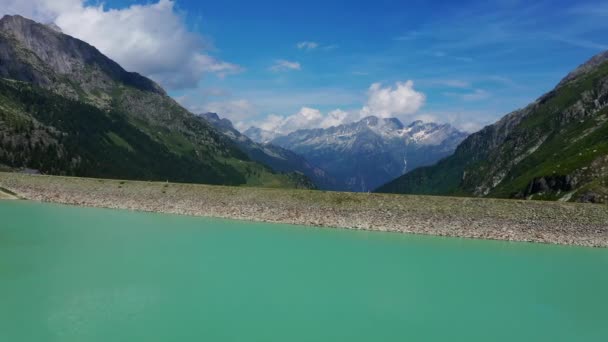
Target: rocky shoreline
{"x":511,"y":220}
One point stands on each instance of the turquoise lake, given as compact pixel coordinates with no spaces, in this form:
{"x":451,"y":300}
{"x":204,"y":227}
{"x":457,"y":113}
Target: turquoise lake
{"x":85,"y":274}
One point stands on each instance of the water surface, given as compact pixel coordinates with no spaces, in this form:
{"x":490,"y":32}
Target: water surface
{"x":84,"y":274}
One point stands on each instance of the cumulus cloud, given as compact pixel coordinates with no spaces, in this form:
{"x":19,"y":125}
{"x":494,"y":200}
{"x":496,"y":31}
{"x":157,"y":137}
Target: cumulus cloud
{"x":45,"y":11}
{"x":307,"y":45}
{"x":281,"y":65}
{"x":306,"y":118}
{"x":152,"y":39}
{"x":470,"y":126}
{"x":398,"y":101}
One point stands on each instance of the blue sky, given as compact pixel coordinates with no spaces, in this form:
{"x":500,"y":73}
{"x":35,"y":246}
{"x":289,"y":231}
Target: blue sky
{"x":473,"y":61}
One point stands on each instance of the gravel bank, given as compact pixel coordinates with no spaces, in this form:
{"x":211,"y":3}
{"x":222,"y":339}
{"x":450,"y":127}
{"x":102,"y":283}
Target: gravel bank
{"x":6,"y":195}
{"x":513,"y":220}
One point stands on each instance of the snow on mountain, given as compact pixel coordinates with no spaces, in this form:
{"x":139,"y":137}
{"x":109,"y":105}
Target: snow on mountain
{"x":366,"y":154}
{"x":260,"y":135}
{"x":277,"y":158}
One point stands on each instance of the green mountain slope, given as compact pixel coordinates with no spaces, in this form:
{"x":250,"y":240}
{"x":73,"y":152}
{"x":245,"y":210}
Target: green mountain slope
{"x":554,"y":149}
{"x":65,"y":108}
{"x":277,"y":158}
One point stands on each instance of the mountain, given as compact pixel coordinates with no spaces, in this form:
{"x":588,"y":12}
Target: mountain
{"x":277,"y":158}
{"x":555,"y":148}
{"x":65,"y":108}
{"x":260,"y":135}
{"x":366,"y":154}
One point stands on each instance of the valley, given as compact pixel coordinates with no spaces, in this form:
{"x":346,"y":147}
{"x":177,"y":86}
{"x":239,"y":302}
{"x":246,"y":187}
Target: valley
{"x":67,"y":109}
{"x":365,"y":154}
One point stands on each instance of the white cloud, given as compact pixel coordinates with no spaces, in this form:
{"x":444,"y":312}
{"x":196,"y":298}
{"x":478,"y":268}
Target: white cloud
{"x":399,"y":101}
{"x":272,"y":123}
{"x":426,"y":117}
{"x":307,"y":45}
{"x":236,"y":110}
{"x":310,"y":45}
{"x":475,"y":95}
{"x":449,"y":83}
{"x":335,"y":118}
{"x":470,"y":127}
{"x":284,"y":65}
{"x":44,"y":11}
{"x":152,"y":39}
{"x":468,"y":121}
{"x":306,"y":118}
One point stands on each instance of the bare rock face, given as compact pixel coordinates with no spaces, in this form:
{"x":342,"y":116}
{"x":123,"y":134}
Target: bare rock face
{"x":550,"y":183}
{"x":44,"y":55}
{"x":590,"y":197}
{"x":54,"y":27}
{"x":68,"y":109}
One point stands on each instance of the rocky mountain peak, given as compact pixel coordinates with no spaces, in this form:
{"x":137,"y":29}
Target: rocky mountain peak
{"x":372,"y":151}
{"x":210,"y":116}
{"x":374,"y":121}
{"x":586,"y":67}
{"x":394,"y":123}
{"x":260,"y":135}
{"x":224,"y":124}
{"x":76,"y":112}
{"x":54,"y":27}
{"x":370,"y":120}
{"x":416,"y":123}
{"x":58,"y":55}
{"x":15,"y":20}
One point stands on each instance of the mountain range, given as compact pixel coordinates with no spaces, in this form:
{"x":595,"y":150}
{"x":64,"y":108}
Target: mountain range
{"x":260,"y":135}
{"x":556,"y":148}
{"x":368,"y":153}
{"x":67,"y":109}
{"x":277,"y":158}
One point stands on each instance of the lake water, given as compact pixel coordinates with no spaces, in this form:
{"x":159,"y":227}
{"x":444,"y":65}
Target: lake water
{"x":83,"y":274}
